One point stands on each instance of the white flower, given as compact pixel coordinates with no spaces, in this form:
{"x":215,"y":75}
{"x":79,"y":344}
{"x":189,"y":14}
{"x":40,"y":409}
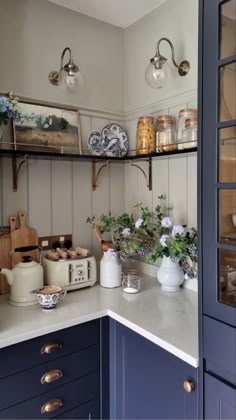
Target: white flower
{"x":167,"y":222}
{"x":178,"y":230}
{"x":163,"y":240}
{"x":138,"y":223}
{"x":126,"y":232}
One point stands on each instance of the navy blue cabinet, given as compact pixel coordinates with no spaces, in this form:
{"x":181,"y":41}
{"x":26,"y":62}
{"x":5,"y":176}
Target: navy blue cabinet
{"x":220,"y":400}
{"x":147,"y":381}
{"x":56,"y":375}
{"x":217,"y":205}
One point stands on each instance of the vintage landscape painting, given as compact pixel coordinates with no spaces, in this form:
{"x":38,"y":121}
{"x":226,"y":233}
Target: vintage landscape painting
{"x":47,"y":128}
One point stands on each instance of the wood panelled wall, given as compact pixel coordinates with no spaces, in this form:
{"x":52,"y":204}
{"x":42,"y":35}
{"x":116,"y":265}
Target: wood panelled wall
{"x":58,"y":196}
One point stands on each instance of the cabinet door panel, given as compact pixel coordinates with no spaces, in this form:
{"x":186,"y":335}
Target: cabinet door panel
{"x":220,"y":400}
{"x":89,"y":410}
{"x":149,"y":381}
{"x":72,"y":395}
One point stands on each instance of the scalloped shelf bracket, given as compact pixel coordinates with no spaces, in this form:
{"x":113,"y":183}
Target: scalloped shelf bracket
{"x":16,"y":170}
{"x":147,"y":175}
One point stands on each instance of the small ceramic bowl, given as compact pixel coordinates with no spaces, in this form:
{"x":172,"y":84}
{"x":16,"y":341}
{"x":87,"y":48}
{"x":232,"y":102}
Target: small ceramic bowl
{"x":49,"y":296}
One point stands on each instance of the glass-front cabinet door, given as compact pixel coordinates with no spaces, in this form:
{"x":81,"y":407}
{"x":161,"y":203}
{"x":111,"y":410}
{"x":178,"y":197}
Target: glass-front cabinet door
{"x":218,"y":160}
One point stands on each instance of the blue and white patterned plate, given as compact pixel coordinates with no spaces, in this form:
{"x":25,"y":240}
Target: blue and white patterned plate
{"x":115,"y":141}
{"x":95,"y":143}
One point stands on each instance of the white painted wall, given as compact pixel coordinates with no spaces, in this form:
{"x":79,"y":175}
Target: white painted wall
{"x":36,"y":31}
{"x":176,"y":20}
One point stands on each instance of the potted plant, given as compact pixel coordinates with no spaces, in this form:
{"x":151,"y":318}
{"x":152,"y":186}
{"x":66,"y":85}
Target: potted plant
{"x":8,"y":111}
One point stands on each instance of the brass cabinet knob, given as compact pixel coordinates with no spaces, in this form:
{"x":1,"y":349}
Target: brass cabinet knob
{"x":189,"y":386}
{"x":50,"y":348}
{"x":51,"y":376}
{"x":51,"y":405}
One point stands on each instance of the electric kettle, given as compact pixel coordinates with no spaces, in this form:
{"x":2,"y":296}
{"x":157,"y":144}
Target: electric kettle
{"x":24,"y":278}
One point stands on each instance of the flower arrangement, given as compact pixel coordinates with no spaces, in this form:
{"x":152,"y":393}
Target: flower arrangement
{"x":132,"y":237}
{"x":175,"y":241}
{"x":8,"y":110}
{"x":153,"y":235}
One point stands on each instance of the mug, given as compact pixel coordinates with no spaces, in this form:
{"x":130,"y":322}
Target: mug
{"x":49,"y":296}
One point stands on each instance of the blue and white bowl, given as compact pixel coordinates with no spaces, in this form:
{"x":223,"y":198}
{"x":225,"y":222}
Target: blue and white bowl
{"x":49,"y":296}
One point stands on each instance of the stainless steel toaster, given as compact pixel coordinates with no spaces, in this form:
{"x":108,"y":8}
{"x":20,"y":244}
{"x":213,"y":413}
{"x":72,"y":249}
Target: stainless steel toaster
{"x":72,"y":273}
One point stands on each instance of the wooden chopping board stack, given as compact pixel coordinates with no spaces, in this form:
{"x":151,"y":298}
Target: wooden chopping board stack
{"x":11,"y":238}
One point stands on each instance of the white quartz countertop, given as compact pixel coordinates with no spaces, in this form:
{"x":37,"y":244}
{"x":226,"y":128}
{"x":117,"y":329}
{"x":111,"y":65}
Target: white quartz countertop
{"x":167,"y":319}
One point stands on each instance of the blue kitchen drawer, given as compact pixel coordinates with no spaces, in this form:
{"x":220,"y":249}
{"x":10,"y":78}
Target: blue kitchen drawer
{"x":27,"y":354}
{"x":89,"y":410}
{"x":27,"y":384}
{"x":219,"y":349}
{"x":72,"y":395}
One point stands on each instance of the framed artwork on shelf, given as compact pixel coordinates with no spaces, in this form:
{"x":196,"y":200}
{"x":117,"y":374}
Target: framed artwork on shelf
{"x":47,"y":128}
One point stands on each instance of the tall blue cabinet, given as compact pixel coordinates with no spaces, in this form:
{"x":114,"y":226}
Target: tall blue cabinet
{"x":217,"y":205}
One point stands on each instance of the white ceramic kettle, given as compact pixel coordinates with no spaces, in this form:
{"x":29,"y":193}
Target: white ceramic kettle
{"x":24,"y":279}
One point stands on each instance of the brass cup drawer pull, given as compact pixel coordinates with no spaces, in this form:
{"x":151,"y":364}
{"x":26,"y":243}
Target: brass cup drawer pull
{"x":51,"y":376}
{"x":50,"y":348}
{"x":51,"y":405}
{"x":189,"y":386}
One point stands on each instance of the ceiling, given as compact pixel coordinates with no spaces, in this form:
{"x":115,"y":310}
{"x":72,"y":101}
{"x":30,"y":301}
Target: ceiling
{"x":116,"y":12}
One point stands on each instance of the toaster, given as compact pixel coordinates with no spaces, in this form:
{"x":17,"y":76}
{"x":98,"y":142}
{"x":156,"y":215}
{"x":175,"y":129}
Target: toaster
{"x":72,"y":273}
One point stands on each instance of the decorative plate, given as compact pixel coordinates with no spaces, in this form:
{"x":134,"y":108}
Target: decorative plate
{"x":95,"y":143}
{"x":115,"y":141}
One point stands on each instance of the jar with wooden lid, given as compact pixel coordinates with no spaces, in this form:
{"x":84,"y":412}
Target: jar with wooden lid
{"x":166,"y":135}
{"x":146,"y":136}
{"x":184,"y":114}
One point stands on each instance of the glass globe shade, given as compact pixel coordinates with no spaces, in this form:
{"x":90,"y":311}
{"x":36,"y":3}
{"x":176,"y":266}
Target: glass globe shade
{"x":158,"y":77}
{"x":71,"y":80}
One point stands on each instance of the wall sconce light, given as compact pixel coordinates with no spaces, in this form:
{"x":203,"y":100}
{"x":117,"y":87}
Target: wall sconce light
{"x":159,"y":72}
{"x":69,"y":73}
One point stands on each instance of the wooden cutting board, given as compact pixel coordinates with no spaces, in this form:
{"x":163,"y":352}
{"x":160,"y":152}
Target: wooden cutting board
{"x":24,"y":236}
{"x":5,"y":247}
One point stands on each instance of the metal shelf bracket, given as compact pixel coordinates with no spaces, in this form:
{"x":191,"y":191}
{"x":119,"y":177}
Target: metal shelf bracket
{"x":16,"y":170}
{"x":147,"y":175}
{"x":95,"y":175}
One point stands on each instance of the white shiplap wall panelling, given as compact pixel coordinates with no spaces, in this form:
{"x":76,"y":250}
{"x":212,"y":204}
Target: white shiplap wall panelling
{"x":117,"y":190}
{"x":62,"y":200}
{"x":178,"y":187}
{"x":192,"y":190}
{"x":13,"y":202}
{"x":39,"y":196}
{"x":82,"y":204}
{"x":131,"y":188}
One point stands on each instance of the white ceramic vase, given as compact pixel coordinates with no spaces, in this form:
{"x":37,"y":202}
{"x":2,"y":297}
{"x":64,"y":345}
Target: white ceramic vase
{"x":170,"y":275}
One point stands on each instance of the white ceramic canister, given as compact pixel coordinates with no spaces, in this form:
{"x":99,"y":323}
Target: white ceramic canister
{"x":110,"y":269}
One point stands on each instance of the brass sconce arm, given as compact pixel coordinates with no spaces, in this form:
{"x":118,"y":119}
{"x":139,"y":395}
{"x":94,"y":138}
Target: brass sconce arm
{"x":183,"y":67}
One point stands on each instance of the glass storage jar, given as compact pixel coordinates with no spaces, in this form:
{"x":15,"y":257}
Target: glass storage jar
{"x":166,"y":134}
{"x":189,"y":134}
{"x":146,"y":139}
{"x":132,"y":281}
{"x":184,"y":114}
